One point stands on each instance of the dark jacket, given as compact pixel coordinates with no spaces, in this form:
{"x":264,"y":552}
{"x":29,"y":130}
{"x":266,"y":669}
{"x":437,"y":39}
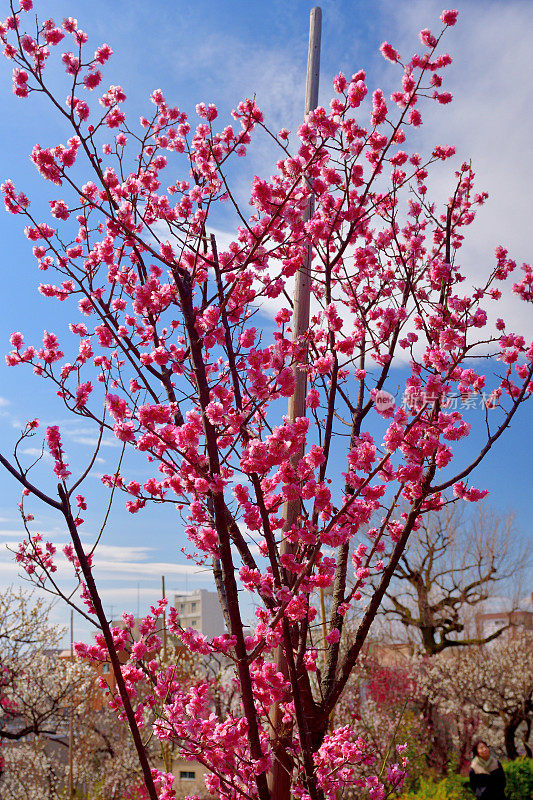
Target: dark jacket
{"x":488,"y":786}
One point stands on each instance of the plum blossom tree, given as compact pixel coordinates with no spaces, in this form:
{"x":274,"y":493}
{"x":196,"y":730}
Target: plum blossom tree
{"x":41,"y":701}
{"x":168,"y":361}
{"x":41,"y":692}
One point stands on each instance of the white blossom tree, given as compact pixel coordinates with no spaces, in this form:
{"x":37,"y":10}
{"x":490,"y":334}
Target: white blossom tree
{"x":486,"y":691}
{"x":31,"y":697}
{"x":39,"y":694}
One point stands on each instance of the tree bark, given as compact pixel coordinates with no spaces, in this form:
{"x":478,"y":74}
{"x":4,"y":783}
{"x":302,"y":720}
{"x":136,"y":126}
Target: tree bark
{"x":509,"y":735}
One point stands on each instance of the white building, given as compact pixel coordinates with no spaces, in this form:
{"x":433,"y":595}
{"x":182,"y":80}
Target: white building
{"x":502,"y":614}
{"x":200,"y":610}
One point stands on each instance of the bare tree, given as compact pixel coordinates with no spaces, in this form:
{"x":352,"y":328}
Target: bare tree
{"x":454,"y":564}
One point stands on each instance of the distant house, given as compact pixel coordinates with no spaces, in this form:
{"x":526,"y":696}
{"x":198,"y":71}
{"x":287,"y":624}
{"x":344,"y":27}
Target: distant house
{"x":391,"y":654}
{"x":189,"y":777}
{"x":492,"y":620}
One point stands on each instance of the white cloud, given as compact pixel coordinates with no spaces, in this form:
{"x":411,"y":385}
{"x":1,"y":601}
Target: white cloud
{"x":37,"y":452}
{"x":275,"y":76}
{"x":7,"y":412}
{"x":128,"y":595}
{"x":19,"y":534}
{"x":92,"y":441}
{"x":116,"y":562}
{"x":11,"y":532}
{"x":85,"y":434}
{"x":489,"y":122}
{"x":132,"y":570}
{"x":223,"y":238}
{"x":121,"y":552}
{"x":10,"y":570}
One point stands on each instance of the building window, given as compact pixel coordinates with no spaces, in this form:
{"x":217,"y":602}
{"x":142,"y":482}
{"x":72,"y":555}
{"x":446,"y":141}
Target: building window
{"x":193,"y":606}
{"x":187,"y":775}
{"x":182,"y":607}
{"x":105,"y":669}
{"x":193,"y":623}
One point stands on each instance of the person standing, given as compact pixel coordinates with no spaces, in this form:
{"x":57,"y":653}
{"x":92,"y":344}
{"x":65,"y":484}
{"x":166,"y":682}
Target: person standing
{"x":487,"y":778}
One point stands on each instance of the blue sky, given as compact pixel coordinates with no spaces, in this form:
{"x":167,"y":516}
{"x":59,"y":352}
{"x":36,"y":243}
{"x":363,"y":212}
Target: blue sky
{"x":221,"y":52}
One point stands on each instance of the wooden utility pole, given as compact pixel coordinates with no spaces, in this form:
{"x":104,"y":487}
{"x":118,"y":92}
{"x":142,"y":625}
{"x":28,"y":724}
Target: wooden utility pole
{"x":280,"y":776}
{"x":302,"y":286}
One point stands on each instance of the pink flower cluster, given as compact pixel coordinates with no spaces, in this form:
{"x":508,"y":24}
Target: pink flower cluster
{"x":53,"y":439}
{"x":36,"y":557}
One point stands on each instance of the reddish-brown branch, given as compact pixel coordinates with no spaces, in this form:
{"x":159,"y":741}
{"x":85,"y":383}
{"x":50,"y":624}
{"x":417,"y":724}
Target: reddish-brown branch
{"x":110,"y":645}
{"x":221,"y":522}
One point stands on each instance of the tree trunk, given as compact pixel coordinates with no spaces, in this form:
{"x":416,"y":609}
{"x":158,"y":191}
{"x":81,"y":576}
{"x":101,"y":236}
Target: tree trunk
{"x":509,"y":735}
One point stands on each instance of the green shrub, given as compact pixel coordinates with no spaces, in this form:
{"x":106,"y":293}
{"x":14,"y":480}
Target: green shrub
{"x":519,"y":786}
{"x":453,"y":787}
{"x":519,"y":776}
